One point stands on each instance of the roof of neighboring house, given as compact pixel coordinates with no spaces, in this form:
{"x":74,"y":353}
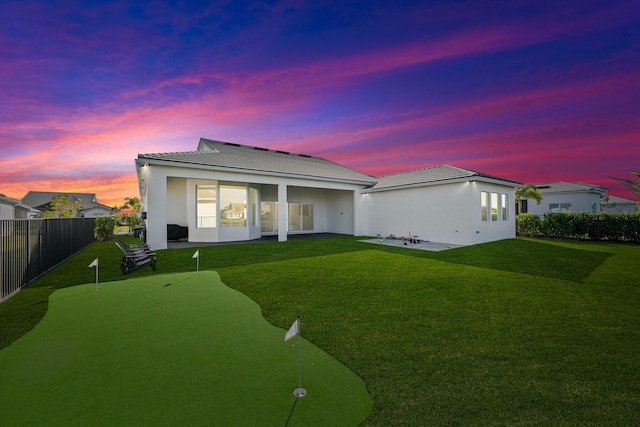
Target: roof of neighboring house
{"x":619,"y":201}
{"x":39,"y":199}
{"x":565,"y":187}
{"x":8,"y":200}
{"x":244,"y":158}
{"x":433,"y":175}
{"x":15,"y":203}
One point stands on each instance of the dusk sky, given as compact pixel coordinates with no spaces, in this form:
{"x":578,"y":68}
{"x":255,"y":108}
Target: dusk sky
{"x":533,"y":91}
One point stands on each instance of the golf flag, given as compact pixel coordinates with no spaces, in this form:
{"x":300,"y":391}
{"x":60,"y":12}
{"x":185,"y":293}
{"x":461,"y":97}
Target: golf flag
{"x":95,"y":264}
{"x":293,"y":331}
{"x":196,"y":255}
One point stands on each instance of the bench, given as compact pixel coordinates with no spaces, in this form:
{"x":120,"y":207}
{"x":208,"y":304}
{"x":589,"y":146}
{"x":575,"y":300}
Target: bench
{"x":135,"y":257}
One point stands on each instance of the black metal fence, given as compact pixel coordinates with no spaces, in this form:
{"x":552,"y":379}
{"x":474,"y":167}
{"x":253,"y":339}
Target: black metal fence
{"x":31,"y":247}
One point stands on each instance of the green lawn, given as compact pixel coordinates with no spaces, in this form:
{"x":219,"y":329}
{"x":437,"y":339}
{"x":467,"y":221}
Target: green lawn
{"x":517,"y":332}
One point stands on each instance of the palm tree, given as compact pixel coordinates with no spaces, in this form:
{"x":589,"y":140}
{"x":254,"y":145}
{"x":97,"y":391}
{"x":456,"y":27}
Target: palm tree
{"x":527,"y":192}
{"x":631,"y":183}
{"x":133,"y":203}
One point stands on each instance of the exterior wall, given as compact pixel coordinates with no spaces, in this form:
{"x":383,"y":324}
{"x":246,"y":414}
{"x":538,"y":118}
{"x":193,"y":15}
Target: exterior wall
{"x":341,"y":212}
{"x":489,"y":231}
{"x":447,"y":213}
{"x":580,"y":202}
{"x":620,"y":208}
{"x":6,"y":211}
{"x":177,"y":195}
{"x":96,"y":212}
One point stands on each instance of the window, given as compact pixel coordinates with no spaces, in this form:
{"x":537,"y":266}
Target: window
{"x":233,"y":206}
{"x":269,"y":217}
{"x":300,"y":216}
{"x":307,"y":216}
{"x":497,"y":204}
{"x":494,"y":206}
{"x":253,"y":209}
{"x":484,"y":203}
{"x":206,"y":206}
{"x":559,"y":207}
{"x":504,"y":207}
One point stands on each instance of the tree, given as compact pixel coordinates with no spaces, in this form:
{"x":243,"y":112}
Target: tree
{"x":133,"y":203}
{"x":132,"y":220}
{"x":528,"y":192}
{"x":631,"y":183}
{"x":61,"y":207}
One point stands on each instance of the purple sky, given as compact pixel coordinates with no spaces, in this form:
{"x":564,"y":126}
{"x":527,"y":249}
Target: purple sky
{"x":534,"y":91}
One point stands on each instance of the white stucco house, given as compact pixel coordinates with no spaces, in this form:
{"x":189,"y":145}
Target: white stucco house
{"x":566,"y":197}
{"x":230,"y":192}
{"x":14,"y":209}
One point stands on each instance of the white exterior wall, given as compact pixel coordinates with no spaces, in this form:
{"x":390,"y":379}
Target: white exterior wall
{"x":580,"y":202}
{"x":341,"y":212}
{"x":447,"y":213}
{"x":96,"y":212}
{"x":6,"y":211}
{"x":489,"y":231}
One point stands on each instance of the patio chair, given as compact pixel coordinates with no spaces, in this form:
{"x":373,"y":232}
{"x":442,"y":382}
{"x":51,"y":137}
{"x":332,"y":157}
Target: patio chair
{"x":135,"y":257}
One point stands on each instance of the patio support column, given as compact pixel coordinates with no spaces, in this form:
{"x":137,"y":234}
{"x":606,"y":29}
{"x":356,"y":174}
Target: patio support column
{"x":282,"y":213}
{"x":156,"y":209}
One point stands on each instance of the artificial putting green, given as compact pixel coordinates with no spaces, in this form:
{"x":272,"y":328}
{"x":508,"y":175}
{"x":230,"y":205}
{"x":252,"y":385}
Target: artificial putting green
{"x":176,"y":349}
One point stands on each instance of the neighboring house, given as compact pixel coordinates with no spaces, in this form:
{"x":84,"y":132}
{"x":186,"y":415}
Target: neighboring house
{"x":89,"y":202}
{"x":230,"y":192}
{"x":619,"y":205}
{"x":14,"y":209}
{"x":566,"y":197}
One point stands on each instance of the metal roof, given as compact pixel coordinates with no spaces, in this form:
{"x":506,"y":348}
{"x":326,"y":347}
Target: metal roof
{"x":432,"y":175}
{"x":244,"y":158}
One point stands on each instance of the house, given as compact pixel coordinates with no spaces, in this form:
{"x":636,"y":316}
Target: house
{"x":619,"y":205}
{"x":14,"y":209}
{"x":566,"y":197}
{"x":231,"y":192}
{"x":90,"y":208}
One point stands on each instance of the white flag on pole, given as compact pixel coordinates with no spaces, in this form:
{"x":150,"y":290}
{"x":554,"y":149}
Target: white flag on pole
{"x":196,"y":255}
{"x":293,"y":331}
{"x":94,"y":263}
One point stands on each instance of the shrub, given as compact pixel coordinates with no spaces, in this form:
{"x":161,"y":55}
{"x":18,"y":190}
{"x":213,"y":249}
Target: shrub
{"x":581,"y":225}
{"x":528,"y":225}
{"x":104,"y":228}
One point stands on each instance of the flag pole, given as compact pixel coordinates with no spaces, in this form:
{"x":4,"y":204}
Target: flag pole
{"x":95,"y":264}
{"x":196,"y":255}
{"x":299,"y":392}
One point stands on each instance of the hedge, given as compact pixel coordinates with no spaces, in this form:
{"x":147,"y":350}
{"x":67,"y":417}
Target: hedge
{"x":104,"y":228}
{"x":581,"y":225}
